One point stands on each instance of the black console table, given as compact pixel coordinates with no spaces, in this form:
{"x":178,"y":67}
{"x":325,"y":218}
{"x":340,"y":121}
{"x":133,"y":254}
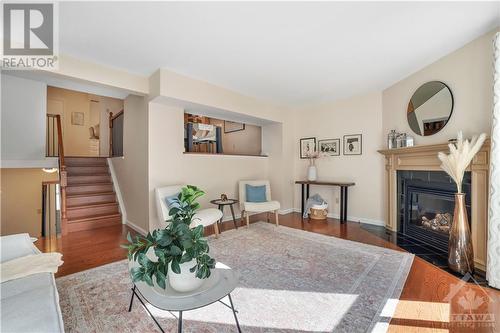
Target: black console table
{"x":343,"y":194}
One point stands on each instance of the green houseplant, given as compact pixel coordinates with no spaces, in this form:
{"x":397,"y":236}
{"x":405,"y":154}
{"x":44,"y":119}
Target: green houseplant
{"x":175,"y":247}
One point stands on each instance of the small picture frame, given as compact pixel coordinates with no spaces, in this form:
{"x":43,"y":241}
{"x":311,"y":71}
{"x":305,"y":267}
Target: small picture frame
{"x":329,"y":147}
{"x":307,"y":146}
{"x":77,"y":118}
{"x":353,"y":144}
{"x":231,"y":126}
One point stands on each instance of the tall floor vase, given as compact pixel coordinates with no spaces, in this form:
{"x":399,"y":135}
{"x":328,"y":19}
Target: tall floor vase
{"x":460,"y":252}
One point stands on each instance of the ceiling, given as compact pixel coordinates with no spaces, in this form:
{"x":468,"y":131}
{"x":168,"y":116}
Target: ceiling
{"x":288,"y":53}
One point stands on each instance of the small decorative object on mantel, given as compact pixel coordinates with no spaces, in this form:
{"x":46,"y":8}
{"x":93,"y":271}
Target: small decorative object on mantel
{"x":312,"y":172}
{"x":223,"y":197}
{"x":399,"y":140}
{"x":460,"y":251}
{"x":353,"y":144}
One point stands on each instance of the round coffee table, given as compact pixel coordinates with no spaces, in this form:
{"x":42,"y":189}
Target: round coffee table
{"x":220,"y":284}
{"x":221,"y":204}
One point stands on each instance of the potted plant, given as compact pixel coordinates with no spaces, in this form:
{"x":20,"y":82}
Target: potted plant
{"x":177,"y":252}
{"x":460,"y":251}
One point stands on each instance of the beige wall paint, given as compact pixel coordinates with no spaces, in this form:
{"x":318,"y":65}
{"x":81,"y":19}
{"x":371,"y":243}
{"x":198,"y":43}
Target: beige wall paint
{"x":248,"y":141}
{"x":183,"y":88}
{"x":80,"y":70}
{"x":95,"y":108}
{"x":131,"y":170}
{"x":215,"y":174}
{"x":357,"y":115}
{"x":21,"y":196}
{"x":469,"y":73}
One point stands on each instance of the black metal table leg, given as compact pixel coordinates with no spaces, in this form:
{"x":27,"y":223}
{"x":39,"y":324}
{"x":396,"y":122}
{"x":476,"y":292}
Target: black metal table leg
{"x":132,"y":299}
{"x":232,"y":213}
{"x":302,"y":201}
{"x":341,"y":204}
{"x":179,"y":325}
{"x":307,"y":191}
{"x":234,"y":313}
{"x":345,"y":203}
{"x":147,"y":310}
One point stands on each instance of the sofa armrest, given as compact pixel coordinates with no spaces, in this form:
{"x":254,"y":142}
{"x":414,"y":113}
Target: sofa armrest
{"x":15,"y":246}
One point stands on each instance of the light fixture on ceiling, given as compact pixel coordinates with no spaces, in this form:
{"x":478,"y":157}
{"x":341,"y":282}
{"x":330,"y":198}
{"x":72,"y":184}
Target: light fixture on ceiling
{"x":49,"y":170}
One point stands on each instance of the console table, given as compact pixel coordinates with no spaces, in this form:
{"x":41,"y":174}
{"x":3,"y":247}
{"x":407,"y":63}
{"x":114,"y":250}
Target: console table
{"x":343,"y":194}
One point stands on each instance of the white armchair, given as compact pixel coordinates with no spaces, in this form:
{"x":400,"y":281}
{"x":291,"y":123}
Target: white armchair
{"x":257,"y":207}
{"x":204,"y":217}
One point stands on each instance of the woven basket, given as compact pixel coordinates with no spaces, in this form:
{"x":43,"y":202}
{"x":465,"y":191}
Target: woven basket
{"x":318,"y":214}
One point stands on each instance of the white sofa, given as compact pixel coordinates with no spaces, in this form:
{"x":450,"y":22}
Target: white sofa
{"x":29,"y":304}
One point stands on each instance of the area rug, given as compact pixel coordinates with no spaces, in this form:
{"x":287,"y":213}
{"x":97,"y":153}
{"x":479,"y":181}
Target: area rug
{"x":291,"y":281}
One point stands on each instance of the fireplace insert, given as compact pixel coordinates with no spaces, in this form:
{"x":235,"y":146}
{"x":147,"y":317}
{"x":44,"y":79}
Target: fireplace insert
{"x":427,"y":201}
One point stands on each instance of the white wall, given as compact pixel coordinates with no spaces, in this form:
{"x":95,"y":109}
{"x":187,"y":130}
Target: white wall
{"x":23,"y":118}
{"x":168,"y":165}
{"x":469,"y":73}
{"x":131,"y":170}
{"x":357,"y":115}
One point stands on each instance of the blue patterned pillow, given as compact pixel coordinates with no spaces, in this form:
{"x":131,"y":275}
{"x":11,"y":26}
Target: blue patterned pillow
{"x":255,"y":193}
{"x":169,"y":200}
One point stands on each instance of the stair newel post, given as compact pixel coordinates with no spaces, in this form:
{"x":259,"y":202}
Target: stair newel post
{"x":111,"y":134}
{"x":63,"y":176}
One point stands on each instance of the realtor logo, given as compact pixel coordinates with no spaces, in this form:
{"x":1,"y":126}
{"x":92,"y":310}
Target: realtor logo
{"x":29,"y":32}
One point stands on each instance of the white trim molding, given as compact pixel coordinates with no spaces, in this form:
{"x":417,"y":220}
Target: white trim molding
{"x":136,"y":228}
{"x":116,"y":186}
{"x":493,"y":263}
{"x":352,"y":218}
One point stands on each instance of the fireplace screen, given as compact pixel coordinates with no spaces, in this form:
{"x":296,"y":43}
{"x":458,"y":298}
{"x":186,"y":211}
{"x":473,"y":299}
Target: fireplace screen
{"x":431,"y":211}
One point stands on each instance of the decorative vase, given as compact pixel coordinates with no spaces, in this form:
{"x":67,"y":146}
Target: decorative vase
{"x":185,"y":281}
{"x":460,"y":252}
{"x":312,"y":173}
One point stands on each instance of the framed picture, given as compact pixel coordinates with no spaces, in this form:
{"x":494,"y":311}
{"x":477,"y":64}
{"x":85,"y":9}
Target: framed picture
{"x":231,"y":126}
{"x":329,"y":147}
{"x":77,"y":118}
{"x":307,"y":146}
{"x":353,"y":144}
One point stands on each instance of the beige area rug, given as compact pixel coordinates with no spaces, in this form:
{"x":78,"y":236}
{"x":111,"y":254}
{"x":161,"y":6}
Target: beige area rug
{"x":291,"y":281}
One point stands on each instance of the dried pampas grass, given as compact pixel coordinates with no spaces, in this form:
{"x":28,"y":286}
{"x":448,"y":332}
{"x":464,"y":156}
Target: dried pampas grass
{"x":461,"y":154}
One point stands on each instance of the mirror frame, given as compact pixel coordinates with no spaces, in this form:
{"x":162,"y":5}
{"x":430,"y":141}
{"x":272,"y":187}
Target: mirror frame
{"x":451,"y":109}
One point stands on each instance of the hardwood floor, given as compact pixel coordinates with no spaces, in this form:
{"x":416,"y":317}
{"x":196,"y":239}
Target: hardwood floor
{"x":432,"y":299}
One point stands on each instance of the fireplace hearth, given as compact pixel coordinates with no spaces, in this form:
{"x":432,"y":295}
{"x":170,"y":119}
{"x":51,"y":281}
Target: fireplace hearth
{"x":426,"y":203}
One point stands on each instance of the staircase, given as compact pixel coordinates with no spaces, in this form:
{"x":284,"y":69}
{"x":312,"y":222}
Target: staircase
{"x":90,"y":197}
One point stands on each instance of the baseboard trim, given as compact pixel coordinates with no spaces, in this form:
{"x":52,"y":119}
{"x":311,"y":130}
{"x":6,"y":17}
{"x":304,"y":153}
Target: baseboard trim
{"x":136,"y":228}
{"x":352,"y":218}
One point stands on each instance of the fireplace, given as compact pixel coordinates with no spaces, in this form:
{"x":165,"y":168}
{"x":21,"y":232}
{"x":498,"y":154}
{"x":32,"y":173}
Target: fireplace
{"x":426,"y":202}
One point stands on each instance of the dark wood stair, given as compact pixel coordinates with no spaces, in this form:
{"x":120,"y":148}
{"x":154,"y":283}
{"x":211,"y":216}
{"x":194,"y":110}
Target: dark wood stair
{"x":90,"y":197}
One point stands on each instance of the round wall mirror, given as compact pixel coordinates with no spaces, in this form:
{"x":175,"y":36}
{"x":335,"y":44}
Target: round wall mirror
{"x":430,"y":108}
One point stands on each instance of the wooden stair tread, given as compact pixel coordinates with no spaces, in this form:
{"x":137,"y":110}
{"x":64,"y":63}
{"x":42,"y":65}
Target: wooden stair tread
{"x":71,"y":175}
{"x":93,"y":205}
{"x":89,"y":184}
{"x":89,"y":194}
{"x":95,"y":217}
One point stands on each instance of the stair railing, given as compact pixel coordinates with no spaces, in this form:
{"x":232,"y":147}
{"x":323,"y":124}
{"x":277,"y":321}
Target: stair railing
{"x":55,"y":148}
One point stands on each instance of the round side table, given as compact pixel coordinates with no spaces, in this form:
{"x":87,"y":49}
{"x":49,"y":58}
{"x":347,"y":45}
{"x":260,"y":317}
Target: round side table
{"x":221,"y":204}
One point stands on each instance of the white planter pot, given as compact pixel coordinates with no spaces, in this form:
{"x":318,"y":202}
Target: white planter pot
{"x":312,"y":173}
{"x":185,"y":281}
